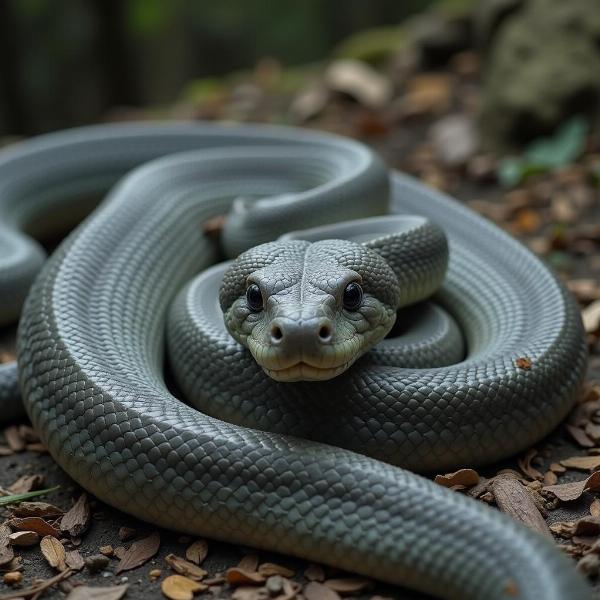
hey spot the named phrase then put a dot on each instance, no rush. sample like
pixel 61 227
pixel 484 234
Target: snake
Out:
pixel 314 450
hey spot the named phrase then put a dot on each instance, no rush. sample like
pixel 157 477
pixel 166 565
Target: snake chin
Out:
pixel 304 372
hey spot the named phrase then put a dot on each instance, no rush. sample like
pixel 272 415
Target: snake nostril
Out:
pixel 276 333
pixel 325 333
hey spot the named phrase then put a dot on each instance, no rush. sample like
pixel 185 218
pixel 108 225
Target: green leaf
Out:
pixel 16 498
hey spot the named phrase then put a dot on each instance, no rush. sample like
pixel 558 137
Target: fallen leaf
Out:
pixel 36 509
pixel 595 508
pixel 513 499
pixel 556 468
pixel 250 593
pixel 197 552
pixel 185 567
pixel 318 591
pixel 526 466
pixel 240 576
pixel 550 478
pixel 36 590
pixel 177 587
pixel 567 492
pixel 270 569
pixel 523 362
pixel 24 538
pixel 74 560
pixel 584 463
pixel 464 477
pixel 54 552
pixel 14 440
pixel 6 552
pixel 580 436
pixel 36 524
pixel 27 483
pixel 587 526
pixel 77 519
pixel 86 592
pixel 348 585
pixel 139 553
pixel 591 317
pixel 249 562
pixel 360 81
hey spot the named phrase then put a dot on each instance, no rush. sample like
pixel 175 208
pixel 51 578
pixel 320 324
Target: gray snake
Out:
pixel 91 355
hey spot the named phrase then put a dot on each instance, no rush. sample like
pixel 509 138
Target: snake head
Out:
pixel 307 311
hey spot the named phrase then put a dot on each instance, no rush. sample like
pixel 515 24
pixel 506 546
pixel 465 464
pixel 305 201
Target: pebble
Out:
pixel 96 563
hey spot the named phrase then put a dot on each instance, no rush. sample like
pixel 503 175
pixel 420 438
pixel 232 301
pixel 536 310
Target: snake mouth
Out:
pixel 303 371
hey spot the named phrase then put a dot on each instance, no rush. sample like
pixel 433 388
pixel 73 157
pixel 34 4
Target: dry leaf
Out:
pixel 240 576
pixel 314 573
pixel 36 509
pixel 24 538
pixel 348 585
pixel 523 363
pixel 139 553
pixel 27 483
pixel 590 316
pixel 564 529
pixel 185 567
pixel 550 478
pixel 6 552
pixel 249 562
pixel 584 463
pixel 85 592
pixel 527 468
pixel 580 436
pixel 318 591
pixel 572 491
pixel 270 569
pixel 250 593
pixel 14 440
pixel 197 552
pixel 587 526
pixel 177 587
pixel 36 524
pixel 595 508
pixel 77 519
pixel 556 468
pixel 464 477
pixel 74 560
pixel 513 499
pixel 54 552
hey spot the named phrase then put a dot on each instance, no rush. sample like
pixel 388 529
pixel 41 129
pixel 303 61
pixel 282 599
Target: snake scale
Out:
pixel 91 358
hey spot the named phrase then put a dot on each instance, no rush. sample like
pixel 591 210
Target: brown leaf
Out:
pixel 54 552
pixel 513 499
pixel 574 490
pixel 240 576
pixel 36 509
pixel 197 552
pixel 177 587
pixel 590 316
pixel 563 529
pixel 464 477
pixel 85 592
pixel 27 483
pixel 24 538
pixel 74 560
pixel 6 551
pixel 270 569
pixel 318 591
pixel 249 562
pixel 77 519
pixel 523 363
pixel 36 524
pixel 139 553
pixel 580 436
pixel 550 478
pixel 314 573
pixel 126 533
pixel 527 468
pixel 556 468
pixel 584 463
pixel 185 567
pixel 251 593
pixel 595 508
pixel 348 585
pixel 14 440
pixel 587 526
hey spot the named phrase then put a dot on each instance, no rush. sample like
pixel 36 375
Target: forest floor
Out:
pixel 426 126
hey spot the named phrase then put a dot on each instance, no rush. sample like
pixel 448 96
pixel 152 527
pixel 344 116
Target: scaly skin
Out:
pixel 91 351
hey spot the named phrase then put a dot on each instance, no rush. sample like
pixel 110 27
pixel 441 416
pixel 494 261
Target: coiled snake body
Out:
pixel 90 355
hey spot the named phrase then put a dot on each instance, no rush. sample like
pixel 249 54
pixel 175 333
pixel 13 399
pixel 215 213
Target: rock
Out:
pixel 96 563
pixel 589 565
pixel 543 65
pixel 455 139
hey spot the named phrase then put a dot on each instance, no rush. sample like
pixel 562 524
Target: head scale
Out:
pixel 307 311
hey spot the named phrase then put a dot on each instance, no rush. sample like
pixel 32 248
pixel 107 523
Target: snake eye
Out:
pixel 254 298
pixel 353 295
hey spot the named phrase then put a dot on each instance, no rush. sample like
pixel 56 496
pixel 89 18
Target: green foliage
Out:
pixel 16 498
pixel 546 154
